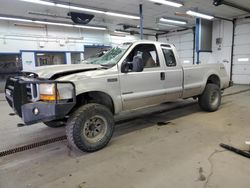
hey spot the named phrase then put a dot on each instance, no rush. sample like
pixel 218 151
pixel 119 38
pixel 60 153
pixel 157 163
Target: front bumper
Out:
pixel 22 96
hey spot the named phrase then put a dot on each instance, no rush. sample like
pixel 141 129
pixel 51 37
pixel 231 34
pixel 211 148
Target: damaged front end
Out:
pixel 36 100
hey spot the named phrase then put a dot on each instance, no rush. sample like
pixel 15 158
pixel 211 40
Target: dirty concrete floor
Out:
pixel 180 151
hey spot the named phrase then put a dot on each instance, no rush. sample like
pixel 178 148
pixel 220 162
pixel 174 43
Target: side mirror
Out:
pixel 125 67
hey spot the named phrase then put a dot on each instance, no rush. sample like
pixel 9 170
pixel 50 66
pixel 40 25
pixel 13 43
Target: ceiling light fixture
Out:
pixel 166 25
pixel 173 21
pixel 40 2
pixel 122 15
pixel 15 19
pixel 52 23
pixel 60 5
pixel 89 27
pixel 200 15
pixel 79 8
pixel 169 3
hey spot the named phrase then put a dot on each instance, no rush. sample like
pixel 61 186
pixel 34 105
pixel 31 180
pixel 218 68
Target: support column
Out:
pixel 141 21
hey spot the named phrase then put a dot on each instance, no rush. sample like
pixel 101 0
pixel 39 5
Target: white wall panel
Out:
pixel 242 39
pixel 183 42
pixel 242 49
pixel 241 79
pixel 241 69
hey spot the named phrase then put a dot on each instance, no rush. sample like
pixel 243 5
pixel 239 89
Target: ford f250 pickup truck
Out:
pixel 85 97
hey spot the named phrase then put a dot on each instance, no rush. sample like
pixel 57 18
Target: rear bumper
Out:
pixel 22 96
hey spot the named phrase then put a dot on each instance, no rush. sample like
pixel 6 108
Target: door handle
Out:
pixel 163 76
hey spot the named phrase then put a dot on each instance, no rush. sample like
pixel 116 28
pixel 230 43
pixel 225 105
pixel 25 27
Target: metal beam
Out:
pixel 232 50
pixel 141 21
pixel 230 4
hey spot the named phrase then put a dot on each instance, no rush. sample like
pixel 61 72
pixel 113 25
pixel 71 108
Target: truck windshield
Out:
pixel 109 58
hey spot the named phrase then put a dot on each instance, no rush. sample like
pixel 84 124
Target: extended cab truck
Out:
pixel 86 96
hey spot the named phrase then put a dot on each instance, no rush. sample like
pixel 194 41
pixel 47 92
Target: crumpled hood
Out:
pixel 55 71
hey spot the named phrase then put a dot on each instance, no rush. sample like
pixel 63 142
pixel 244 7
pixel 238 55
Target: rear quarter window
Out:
pixel 169 57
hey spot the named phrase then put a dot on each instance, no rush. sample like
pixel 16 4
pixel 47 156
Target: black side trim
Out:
pixel 130 92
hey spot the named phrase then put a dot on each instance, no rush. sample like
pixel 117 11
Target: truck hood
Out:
pixel 55 71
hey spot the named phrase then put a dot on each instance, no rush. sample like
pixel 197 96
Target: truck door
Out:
pixel 173 73
pixel 144 88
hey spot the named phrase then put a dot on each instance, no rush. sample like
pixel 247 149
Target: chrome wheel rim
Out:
pixel 95 128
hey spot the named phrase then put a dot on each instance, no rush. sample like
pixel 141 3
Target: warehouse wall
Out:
pixel 221 53
pixel 15 38
pixel 184 42
pixel 27 40
pixel 241 58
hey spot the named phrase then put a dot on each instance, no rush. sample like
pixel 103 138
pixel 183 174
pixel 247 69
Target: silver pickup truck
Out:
pixel 85 97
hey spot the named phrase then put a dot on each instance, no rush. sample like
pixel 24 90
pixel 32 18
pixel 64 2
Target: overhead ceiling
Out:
pixel 152 11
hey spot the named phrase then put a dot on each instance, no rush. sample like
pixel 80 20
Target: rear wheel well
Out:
pixel 213 79
pixel 95 97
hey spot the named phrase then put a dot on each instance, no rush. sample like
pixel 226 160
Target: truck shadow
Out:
pixel 153 118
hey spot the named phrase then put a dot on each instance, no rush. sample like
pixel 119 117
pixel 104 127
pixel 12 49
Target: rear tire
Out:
pixel 210 99
pixel 90 128
pixel 55 123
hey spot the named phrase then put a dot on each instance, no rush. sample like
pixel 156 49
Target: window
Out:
pixel 169 57
pixel 76 58
pixel 50 58
pixel 147 53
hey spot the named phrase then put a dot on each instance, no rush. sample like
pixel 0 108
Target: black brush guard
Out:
pixel 21 91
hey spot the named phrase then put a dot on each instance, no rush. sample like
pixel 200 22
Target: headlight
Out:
pixel 48 93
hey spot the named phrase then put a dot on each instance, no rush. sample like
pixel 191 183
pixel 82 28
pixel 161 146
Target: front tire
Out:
pixel 90 128
pixel 210 99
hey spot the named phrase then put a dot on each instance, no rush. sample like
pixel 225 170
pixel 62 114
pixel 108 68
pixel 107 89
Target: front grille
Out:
pixel 32 92
pixel 9 89
pixel 18 93
pixel 29 94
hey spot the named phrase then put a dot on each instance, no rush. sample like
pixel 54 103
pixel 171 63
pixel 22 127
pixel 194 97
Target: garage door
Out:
pixel 183 42
pixel 241 66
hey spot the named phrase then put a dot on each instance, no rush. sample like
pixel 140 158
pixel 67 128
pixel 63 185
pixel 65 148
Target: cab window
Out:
pixel 169 57
pixel 146 54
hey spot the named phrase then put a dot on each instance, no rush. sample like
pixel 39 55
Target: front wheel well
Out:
pixel 213 79
pixel 95 97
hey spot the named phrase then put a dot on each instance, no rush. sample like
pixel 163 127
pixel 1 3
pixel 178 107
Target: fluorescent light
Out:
pixel 15 19
pixel 167 25
pixel 71 25
pixel 90 27
pixel 200 15
pixel 243 59
pixel 53 23
pixel 83 9
pixel 79 8
pixel 169 3
pixel 40 2
pixel 122 15
pixel 173 21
